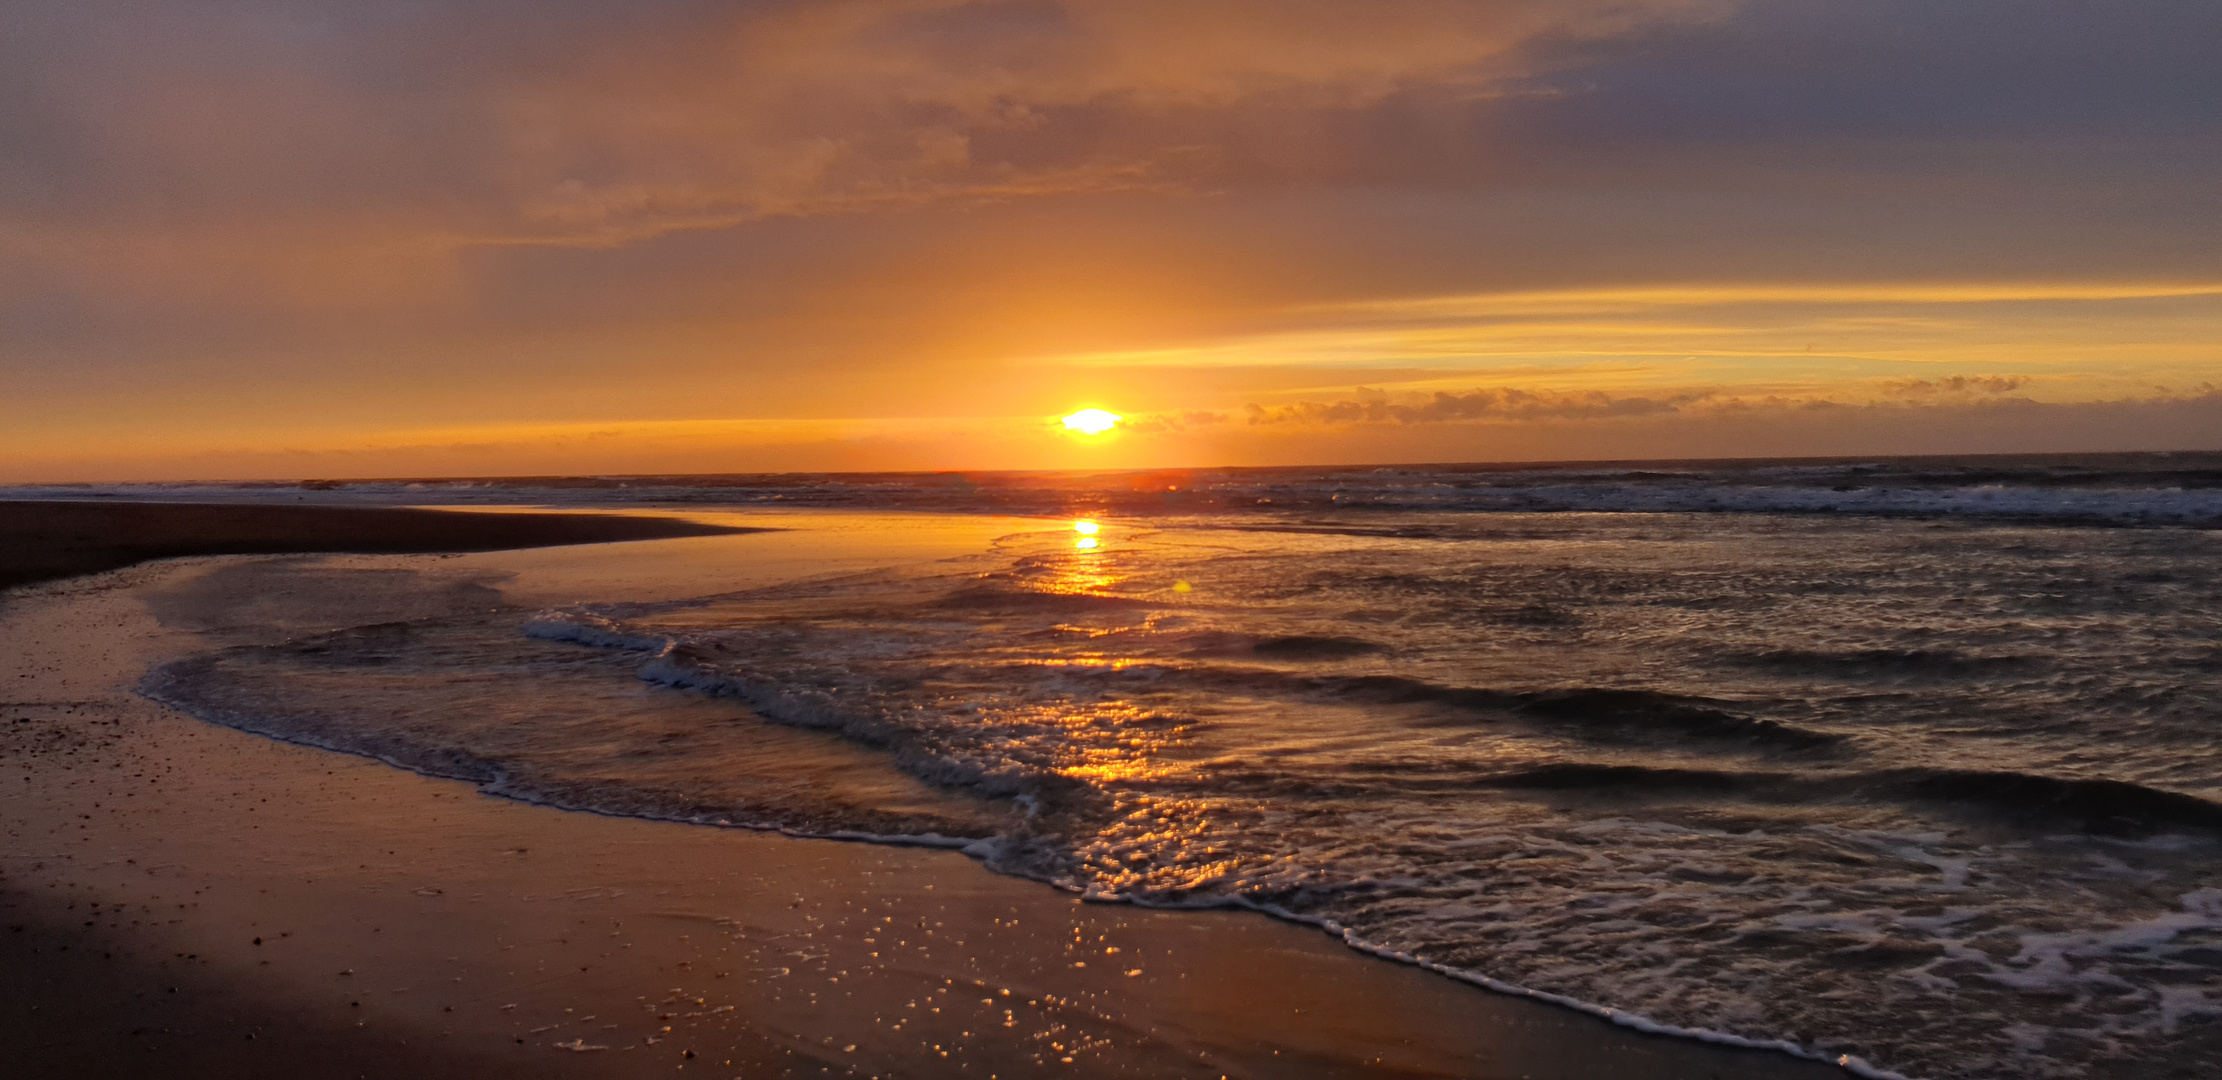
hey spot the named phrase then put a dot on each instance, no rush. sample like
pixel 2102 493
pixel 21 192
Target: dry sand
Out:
pixel 179 899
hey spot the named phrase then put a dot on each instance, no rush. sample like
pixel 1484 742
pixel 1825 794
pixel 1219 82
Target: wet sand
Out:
pixel 179 899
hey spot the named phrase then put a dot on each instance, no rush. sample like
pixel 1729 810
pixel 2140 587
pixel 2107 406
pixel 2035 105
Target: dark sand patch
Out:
pixel 43 541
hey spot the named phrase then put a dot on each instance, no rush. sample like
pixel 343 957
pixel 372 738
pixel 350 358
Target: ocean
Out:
pixel 1906 762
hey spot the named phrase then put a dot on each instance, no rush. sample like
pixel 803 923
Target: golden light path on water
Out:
pixel 1115 745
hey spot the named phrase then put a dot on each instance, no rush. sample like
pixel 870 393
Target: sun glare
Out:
pixel 1093 421
pixel 1085 527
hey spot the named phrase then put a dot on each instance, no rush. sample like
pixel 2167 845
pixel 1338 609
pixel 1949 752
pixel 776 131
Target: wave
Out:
pixel 587 628
pixel 1584 776
pixel 998 597
pixel 1293 648
pixel 1314 647
pixel 2095 806
pixel 1629 712
pixel 1651 710
pixel 1875 663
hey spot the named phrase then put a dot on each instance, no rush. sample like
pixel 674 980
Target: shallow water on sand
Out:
pixel 1937 792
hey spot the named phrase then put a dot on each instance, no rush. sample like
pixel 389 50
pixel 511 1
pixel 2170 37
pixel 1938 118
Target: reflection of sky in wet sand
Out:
pixel 803 544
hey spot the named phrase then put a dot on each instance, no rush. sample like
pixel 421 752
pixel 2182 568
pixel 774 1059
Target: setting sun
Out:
pixel 1093 421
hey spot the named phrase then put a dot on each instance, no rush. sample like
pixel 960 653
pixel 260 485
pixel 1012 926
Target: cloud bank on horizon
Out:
pixel 244 238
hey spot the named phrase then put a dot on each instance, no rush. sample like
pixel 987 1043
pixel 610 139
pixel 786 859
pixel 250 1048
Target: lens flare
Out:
pixel 1093 421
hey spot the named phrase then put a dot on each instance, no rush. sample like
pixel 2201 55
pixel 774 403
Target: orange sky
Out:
pixel 244 239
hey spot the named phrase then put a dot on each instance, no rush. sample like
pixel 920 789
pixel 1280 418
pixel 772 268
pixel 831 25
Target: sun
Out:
pixel 1093 421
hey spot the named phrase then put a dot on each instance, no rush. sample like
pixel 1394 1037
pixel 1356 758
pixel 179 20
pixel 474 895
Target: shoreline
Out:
pixel 1224 990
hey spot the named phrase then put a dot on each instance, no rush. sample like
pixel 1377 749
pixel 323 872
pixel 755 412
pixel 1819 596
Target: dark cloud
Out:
pixel 1894 70
pixel 1480 404
pixel 1955 384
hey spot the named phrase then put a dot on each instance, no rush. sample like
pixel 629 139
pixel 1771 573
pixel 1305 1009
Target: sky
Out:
pixel 318 238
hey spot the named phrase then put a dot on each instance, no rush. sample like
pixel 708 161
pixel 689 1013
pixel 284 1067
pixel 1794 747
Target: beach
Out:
pixel 185 899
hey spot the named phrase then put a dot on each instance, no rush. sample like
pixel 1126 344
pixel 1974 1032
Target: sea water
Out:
pixel 1912 763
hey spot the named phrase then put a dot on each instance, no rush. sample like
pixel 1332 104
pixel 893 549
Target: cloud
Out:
pixel 395 214
pixel 1955 384
pixel 1480 404
pixel 1956 395
pixel 601 122
pixel 598 122
pixel 1172 422
pixel 194 145
pixel 1808 71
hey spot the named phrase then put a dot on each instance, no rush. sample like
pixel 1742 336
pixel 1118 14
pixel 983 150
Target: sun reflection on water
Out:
pixel 1115 742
